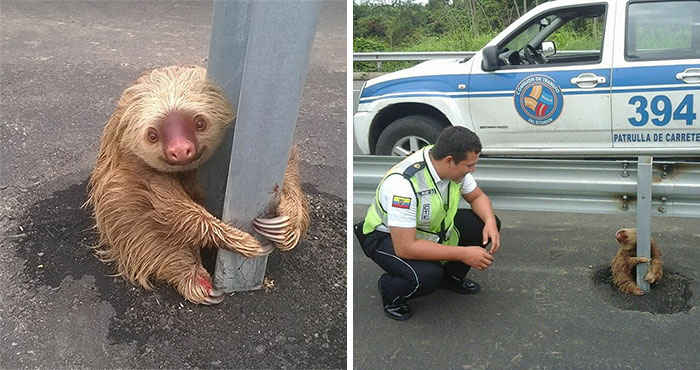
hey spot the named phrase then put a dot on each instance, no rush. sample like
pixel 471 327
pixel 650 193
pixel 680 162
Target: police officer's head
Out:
pixel 458 150
pixel 456 141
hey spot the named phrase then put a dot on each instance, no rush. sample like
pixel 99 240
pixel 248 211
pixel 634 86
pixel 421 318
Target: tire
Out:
pixel 408 134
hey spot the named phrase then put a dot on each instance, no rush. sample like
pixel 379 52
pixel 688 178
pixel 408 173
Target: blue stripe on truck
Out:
pixel 638 79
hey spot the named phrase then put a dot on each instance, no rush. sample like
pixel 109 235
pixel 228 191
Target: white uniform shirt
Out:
pixel 396 185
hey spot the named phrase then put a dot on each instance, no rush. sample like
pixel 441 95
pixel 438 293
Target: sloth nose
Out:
pixel 620 236
pixel 180 152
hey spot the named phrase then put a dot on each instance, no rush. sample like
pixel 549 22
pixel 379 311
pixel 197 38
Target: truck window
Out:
pixel 663 30
pixel 524 37
pixel 577 35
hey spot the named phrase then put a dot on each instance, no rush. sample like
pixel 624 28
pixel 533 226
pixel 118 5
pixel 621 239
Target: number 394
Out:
pixel 661 108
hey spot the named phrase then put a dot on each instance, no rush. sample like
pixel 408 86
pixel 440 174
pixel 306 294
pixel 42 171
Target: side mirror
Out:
pixel 490 58
pixel 549 48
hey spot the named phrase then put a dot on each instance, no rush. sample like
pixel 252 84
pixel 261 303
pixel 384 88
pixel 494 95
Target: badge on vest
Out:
pixel 425 213
pixel 401 202
pixel 425 192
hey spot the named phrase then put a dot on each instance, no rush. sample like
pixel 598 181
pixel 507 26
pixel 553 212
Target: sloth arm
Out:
pixel 293 202
pixel 655 251
pixel 189 223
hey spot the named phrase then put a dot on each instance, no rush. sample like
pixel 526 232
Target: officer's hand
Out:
pixel 491 232
pixel 477 257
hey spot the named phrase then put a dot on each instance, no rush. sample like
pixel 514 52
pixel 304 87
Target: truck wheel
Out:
pixel 408 134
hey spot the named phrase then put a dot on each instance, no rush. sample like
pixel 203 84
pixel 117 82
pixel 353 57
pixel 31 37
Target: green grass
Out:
pixel 426 44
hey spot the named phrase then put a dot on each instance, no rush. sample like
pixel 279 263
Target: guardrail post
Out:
pixel 644 172
pixel 259 55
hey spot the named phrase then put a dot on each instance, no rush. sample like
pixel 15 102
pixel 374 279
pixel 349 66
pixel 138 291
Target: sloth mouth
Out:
pixel 180 165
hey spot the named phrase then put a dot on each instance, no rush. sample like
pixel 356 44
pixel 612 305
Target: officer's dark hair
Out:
pixel 455 141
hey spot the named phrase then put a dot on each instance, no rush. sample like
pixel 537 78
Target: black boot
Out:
pixel 461 285
pixel 397 311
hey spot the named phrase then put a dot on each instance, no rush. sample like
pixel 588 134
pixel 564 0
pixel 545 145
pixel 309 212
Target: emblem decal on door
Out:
pixel 538 100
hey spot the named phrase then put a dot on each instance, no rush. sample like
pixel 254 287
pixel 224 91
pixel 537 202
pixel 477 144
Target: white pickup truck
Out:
pixel 630 87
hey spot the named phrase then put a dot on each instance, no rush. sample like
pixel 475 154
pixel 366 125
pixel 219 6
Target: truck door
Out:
pixel 656 80
pixel 551 88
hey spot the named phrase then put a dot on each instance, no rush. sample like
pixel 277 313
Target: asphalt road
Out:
pixel 63 66
pixel 546 303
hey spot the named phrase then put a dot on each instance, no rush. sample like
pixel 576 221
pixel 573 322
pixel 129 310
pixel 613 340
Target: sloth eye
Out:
pixel 200 124
pixel 152 135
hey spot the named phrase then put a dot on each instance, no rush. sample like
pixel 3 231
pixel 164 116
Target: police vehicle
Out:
pixel 631 87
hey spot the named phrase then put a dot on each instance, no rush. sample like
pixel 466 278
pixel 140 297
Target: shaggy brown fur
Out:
pixel 293 203
pixel 624 263
pixel 146 201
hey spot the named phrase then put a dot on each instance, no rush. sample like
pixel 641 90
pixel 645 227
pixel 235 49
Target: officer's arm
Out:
pixel 407 246
pixel 481 205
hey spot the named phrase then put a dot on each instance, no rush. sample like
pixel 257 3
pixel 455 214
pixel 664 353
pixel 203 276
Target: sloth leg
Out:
pixel 183 270
pixel 293 210
pixel 655 271
pixel 623 275
pixel 630 287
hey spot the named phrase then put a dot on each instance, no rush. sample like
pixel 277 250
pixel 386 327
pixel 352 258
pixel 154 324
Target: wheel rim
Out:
pixel 407 145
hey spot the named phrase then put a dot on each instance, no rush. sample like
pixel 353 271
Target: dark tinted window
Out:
pixel 663 30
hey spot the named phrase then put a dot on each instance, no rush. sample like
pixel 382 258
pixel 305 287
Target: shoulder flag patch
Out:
pixel 401 202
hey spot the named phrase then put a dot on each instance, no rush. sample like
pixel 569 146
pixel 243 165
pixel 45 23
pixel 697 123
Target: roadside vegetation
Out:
pixel 441 25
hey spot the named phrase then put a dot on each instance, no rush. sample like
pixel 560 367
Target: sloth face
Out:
pixel 174 118
pixel 627 238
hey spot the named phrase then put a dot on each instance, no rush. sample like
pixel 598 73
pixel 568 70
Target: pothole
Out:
pixel 670 295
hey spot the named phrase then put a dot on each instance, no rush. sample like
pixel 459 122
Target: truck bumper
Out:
pixel 361 125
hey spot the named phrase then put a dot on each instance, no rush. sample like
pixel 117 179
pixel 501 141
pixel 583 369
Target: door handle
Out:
pixel 689 76
pixel 587 80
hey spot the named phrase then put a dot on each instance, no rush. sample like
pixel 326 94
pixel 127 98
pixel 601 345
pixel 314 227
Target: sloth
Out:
pixel 624 263
pixel 145 197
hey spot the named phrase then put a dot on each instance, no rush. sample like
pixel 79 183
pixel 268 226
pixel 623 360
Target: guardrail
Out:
pixel 410 56
pixel 583 186
pixel 419 56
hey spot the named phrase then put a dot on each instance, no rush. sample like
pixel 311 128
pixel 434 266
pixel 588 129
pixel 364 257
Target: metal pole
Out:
pixel 644 171
pixel 259 56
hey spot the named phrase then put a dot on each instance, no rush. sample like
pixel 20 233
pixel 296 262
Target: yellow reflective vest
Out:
pixel 434 214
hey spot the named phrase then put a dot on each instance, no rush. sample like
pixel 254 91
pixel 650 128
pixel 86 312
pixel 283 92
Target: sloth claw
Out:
pixel 214 296
pixel 266 249
pixel 211 300
pixel 278 230
pixel 275 229
pixel 276 237
pixel 273 223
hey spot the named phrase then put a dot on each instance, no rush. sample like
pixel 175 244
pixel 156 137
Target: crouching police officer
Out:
pixel 414 231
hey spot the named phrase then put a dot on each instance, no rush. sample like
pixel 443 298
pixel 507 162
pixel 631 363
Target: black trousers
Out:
pixel 408 279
